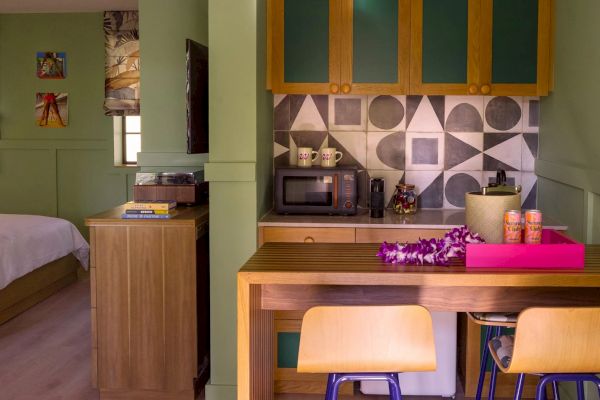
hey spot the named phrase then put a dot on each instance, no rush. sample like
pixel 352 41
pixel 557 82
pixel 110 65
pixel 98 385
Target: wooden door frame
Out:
pixel 403 62
pixel 277 53
pixel 542 87
pixel 416 56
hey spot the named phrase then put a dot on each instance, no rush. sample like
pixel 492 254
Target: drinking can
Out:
pixel 512 226
pixel 533 227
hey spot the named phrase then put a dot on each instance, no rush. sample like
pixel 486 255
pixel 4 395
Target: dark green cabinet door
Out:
pixel 514 41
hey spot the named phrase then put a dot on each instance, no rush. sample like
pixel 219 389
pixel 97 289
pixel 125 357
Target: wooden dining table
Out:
pixel 298 276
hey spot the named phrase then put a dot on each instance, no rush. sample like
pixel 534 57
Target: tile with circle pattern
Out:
pixel 386 113
pixel 503 114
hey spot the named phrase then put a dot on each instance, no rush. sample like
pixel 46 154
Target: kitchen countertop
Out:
pixel 423 219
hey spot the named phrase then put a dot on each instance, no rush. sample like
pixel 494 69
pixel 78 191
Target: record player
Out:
pixel 183 187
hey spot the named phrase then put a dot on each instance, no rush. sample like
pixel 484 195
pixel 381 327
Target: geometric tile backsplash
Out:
pixel 445 145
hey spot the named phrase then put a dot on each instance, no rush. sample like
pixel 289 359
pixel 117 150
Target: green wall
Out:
pixel 239 167
pixel 65 172
pixel 568 165
pixel 164 27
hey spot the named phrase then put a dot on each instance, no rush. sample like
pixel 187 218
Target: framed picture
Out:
pixel 51 65
pixel 52 110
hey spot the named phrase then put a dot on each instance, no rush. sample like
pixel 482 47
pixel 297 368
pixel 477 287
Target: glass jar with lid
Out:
pixel 405 199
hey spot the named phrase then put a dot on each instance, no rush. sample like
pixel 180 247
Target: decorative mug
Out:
pixel 306 156
pixel 329 157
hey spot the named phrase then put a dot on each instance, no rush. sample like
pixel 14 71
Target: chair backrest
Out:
pixel 554 340
pixel 367 339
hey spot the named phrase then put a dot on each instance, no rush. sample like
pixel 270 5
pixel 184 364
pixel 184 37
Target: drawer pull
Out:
pixel 309 239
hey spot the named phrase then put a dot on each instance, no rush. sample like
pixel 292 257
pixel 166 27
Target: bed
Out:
pixel 38 256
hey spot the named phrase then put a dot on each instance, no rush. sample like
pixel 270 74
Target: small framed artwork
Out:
pixel 51 65
pixel 52 110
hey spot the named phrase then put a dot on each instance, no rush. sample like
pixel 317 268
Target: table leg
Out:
pixel 255 344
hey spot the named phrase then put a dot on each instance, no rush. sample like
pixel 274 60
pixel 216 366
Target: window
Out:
pixel 132 138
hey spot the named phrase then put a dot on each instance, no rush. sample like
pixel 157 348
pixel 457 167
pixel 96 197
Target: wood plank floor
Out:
pixel 45 353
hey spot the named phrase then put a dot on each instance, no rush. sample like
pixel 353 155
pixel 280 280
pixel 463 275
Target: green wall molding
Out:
pixel 230 172
pixel 54 144
pixel 581 178
pixel 175 159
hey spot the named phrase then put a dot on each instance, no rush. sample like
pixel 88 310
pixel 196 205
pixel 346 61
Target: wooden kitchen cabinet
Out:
pixel 150 305
pixel 481 47
pixel 306 235
pixel 352 46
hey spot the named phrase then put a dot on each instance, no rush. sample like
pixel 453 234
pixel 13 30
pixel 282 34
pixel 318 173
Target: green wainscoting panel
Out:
pixel 445 39
pixel 86 185
pixel 28 182
pixel 514 41
pixel 306 41
pixel 375 41
pixel 288 344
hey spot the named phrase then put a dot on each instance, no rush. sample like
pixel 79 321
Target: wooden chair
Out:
pixel 493 323
pixel 357 343
pixel 560 344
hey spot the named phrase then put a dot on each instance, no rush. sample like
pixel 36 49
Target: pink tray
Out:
pixel 556 251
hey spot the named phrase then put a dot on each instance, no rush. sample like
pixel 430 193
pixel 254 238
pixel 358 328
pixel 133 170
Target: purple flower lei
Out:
pixel 432 251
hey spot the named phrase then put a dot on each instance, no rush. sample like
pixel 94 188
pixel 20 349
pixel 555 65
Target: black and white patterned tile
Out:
pixel 386 113
pixel 457 183
pixel 424 151
pixel 503 114
pixel 531 114
pixel 281 149
pixel 386 150
pixel 464 114
pixel 429 186
pixel 347 113
pixel 463 151
pixel 529 191
pixel 425 113
pixel 353 146
pixel 391 179
pixel 502 150
pixel 316 140
pixel 308 113
pixel 529 148
pixel 281 112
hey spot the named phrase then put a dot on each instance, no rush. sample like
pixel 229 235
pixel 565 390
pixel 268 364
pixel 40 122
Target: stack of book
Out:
pixel 156 209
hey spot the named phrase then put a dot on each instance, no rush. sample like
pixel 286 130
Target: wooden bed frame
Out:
pixel 36 286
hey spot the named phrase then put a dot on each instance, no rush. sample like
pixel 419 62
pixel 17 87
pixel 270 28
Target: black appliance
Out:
pixel 316 190
pixel 377 198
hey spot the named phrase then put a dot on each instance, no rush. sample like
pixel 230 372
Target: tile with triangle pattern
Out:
pixel 308 116
pixel 281 113
pixel 463 151
pixel 512 178
pixel 428 116
pixel 502 151
pixel 353 146
pixel 391 179
pixel 429 186
pixel 530 151
pixel 314 140
pixel 529 191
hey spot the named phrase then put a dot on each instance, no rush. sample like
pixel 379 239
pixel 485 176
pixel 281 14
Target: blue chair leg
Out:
pixel 484 360
pixel 335 386
pixel 394 385
pixel 497 330
pixel 555 390
pixel 580 391
pixel 519 387
pixel 330 380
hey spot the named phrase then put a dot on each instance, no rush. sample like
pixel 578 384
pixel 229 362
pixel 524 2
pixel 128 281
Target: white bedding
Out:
pixel 29 241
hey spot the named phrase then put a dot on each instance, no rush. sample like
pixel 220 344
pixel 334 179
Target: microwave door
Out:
pixel 315 191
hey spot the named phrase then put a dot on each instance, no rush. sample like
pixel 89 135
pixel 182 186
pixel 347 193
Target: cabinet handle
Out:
pixel 334 88
pixel 346 88
pixel 309 239
pixel 473 89
pixel 485 89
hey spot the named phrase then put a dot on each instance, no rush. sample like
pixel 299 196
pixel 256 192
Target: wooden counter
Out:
pixel 297 276
pixel 150 302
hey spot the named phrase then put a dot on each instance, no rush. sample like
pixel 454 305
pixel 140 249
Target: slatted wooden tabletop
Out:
pixel 353 263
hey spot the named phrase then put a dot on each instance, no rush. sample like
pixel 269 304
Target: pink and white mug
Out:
pixel 329 157
pixel 306 156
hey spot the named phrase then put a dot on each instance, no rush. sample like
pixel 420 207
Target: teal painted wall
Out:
pixel 239 167
pixel 65 172
pixel 568 165
pixel 164 27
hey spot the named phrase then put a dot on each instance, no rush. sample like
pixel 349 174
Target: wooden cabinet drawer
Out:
pixel 378 235
pixel 308 235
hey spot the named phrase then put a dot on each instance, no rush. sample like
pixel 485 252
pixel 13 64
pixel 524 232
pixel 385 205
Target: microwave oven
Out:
pixel 316 190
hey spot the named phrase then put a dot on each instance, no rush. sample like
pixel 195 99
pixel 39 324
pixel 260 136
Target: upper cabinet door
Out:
pixel 306 55
pixel 375 48
pixel 445 47
pixel 515 47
